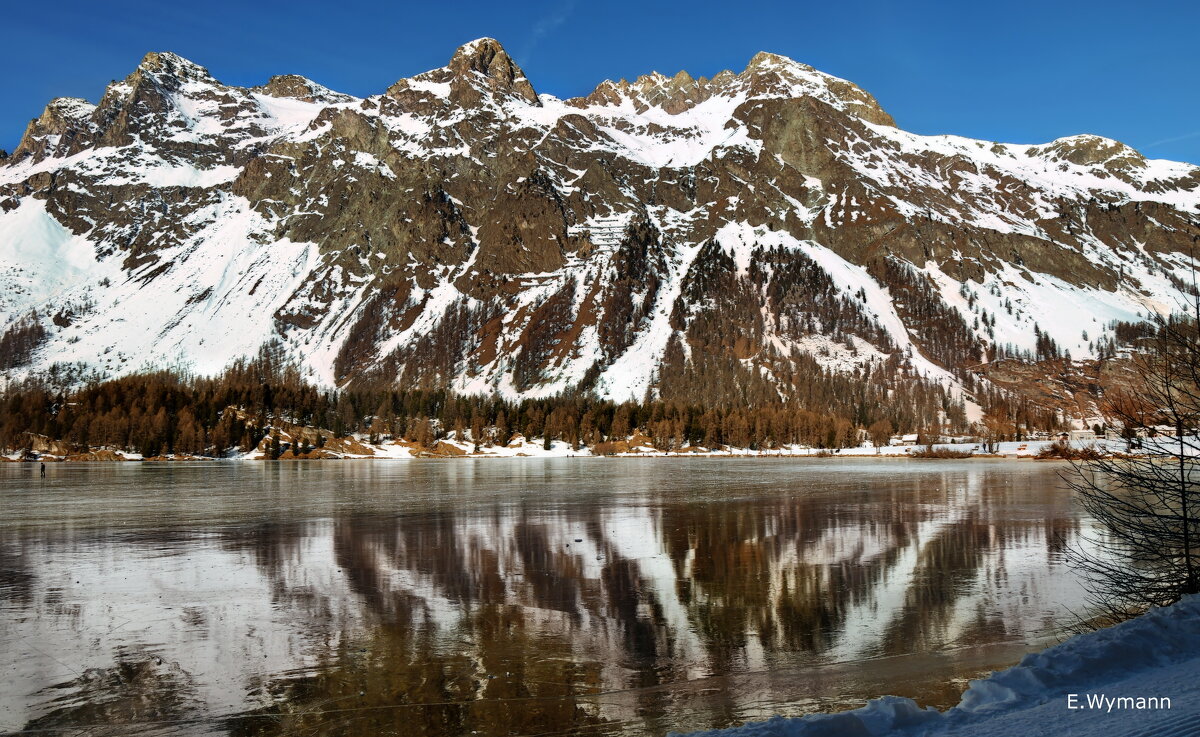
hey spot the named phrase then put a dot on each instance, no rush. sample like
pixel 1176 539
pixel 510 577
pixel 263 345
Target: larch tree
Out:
pixel 1146 549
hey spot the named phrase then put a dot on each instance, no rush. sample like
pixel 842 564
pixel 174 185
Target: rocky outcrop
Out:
pixel 295 87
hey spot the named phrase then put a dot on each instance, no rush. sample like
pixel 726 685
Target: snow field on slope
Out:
pixel 630 374
pixel 40 260
pixel 197 314
pixel 1023 162
pixel 1063 311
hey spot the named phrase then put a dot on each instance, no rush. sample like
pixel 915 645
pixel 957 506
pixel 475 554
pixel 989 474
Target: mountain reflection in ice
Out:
pixel 523 597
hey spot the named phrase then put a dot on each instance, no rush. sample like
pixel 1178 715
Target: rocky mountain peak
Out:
pixel 63 114
pixel 774 75
pixel 296 87
pixel 486 58
pixel 1090 150
pixel 62 119
pixel 148 92
pixel 674 94
pixel 1102 157
pixel 651 80
pixel 767 60
pixel 75 109
pixel 766 76
pixel 172 68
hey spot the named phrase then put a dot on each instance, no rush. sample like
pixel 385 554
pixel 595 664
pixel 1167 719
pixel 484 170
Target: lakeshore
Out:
pixel 360 449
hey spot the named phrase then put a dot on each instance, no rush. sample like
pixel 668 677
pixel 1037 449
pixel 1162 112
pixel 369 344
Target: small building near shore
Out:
pixel 1081 438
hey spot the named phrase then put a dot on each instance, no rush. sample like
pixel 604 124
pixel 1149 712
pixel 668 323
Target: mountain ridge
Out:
pixel 460 229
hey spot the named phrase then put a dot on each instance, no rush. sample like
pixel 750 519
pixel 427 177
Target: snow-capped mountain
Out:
pixel 460 229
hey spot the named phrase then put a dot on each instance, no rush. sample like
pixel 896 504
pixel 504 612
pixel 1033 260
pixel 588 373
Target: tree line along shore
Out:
pixel 263 402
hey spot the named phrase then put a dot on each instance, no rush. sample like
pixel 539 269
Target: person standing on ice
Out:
pixel 43 470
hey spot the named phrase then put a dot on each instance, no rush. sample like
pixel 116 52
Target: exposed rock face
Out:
pixel 486 58
pixel 299 88
pixel 459 229
pixel 55 131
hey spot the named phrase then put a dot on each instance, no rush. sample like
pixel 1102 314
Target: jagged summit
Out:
pixel 75 108
pixel 775 75
pixel 766 76
pixel 167 65
pixel 479 55
pixel 479 71
pixel 487 58
pixel 63 119
pixel 766 59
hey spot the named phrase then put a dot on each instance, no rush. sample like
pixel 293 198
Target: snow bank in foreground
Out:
pixel 1127 660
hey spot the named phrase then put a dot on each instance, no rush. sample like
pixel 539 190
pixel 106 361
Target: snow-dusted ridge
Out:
pixel 180 221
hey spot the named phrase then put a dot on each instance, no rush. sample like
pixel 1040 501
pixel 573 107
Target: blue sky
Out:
pixel 1022 72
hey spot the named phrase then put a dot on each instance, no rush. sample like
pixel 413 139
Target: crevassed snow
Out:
pixel 1154 655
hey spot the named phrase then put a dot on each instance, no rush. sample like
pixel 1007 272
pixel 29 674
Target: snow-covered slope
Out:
pixel 460 229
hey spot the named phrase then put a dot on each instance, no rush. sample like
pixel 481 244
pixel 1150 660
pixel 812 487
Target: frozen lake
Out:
pixel 515 597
